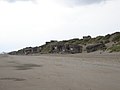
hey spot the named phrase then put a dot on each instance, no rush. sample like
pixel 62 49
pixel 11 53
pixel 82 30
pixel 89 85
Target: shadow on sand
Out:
pixel 26 66
pixel 13 79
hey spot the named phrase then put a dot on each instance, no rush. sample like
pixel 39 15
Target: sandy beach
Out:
pixel 91 71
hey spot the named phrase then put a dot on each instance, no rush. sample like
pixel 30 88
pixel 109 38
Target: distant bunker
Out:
pixel 68 48
pixel 95 47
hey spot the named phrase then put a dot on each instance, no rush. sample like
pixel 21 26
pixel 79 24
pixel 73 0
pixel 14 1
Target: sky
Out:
pixel 25 23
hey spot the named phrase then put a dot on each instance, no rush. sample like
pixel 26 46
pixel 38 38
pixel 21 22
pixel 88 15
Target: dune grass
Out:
pixel 115 48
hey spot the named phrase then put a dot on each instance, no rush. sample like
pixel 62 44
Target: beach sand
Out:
pixel 92 71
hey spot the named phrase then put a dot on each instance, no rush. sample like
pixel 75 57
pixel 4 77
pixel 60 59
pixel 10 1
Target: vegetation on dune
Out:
pixel 88 40
pixel 116 38
pixel 109 42
pixel 115 48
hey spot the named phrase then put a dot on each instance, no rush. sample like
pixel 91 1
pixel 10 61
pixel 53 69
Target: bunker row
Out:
pixel 59 48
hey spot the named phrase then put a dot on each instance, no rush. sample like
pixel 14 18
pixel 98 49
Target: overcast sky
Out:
pixel 33 22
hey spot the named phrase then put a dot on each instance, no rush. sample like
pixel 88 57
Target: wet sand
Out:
pixel 60 72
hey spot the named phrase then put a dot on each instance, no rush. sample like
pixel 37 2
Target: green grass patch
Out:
pixel 115 48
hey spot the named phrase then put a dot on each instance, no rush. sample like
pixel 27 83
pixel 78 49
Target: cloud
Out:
pixel 66 2
pixel 82 2
pixel 13 1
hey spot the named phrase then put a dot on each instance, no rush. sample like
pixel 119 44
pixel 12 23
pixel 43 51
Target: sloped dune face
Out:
pixel 91 71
